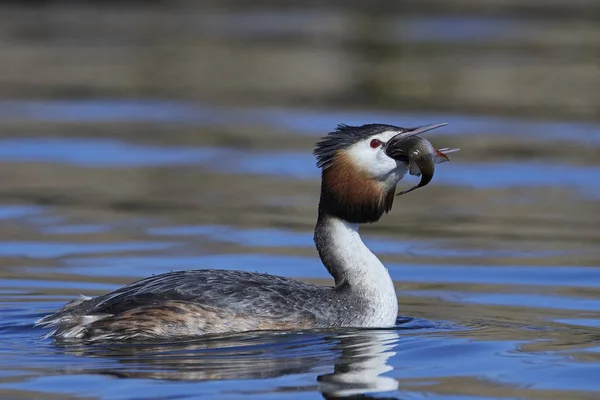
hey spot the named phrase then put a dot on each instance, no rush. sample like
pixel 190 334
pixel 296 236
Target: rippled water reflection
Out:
pixel 495 265
pixel 496 262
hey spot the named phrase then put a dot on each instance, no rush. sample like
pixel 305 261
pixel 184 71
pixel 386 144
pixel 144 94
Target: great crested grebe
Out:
pixel 360 169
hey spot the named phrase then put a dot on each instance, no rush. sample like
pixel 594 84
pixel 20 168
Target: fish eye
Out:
pixel 375 143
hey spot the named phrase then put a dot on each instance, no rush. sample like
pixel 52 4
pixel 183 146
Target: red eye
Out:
pixel 375 143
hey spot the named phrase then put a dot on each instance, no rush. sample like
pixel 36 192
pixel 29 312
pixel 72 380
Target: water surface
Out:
pixel 490 310
pixel 116 167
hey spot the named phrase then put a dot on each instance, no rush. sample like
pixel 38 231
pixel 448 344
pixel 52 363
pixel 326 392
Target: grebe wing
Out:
pixel 191 303
pixel 237 292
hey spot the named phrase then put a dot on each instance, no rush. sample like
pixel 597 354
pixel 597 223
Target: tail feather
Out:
pixel 67 323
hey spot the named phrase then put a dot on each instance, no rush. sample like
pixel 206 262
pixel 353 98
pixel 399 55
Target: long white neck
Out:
pixel 356 271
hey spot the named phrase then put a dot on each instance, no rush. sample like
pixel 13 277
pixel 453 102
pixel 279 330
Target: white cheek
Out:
pixel 377 164
pixel 382 165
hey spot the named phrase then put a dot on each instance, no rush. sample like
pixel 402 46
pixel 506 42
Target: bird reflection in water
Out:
pixel 358 358
pixel 361 365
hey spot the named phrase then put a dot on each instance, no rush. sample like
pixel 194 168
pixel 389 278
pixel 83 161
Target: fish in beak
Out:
pixel 418 153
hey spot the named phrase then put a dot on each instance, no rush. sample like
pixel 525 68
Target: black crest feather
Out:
pixel 343 137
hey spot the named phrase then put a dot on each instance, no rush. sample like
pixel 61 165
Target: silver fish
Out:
pixel 421 157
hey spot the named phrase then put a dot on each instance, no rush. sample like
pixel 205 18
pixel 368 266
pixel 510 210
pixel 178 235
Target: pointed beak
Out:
pixel 395 147
pixel 424 128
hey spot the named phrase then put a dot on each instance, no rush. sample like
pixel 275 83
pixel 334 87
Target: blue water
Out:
pixel 144 137
pixel 307 121
pixel 495 263
pixel 115 154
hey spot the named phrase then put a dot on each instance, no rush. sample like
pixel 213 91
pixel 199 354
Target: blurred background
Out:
pixel 138 137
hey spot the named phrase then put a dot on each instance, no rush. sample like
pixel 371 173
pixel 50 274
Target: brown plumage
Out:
pixel 350 194
pixel 183 319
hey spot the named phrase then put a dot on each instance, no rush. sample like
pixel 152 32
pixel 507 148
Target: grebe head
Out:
pixel 361 166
